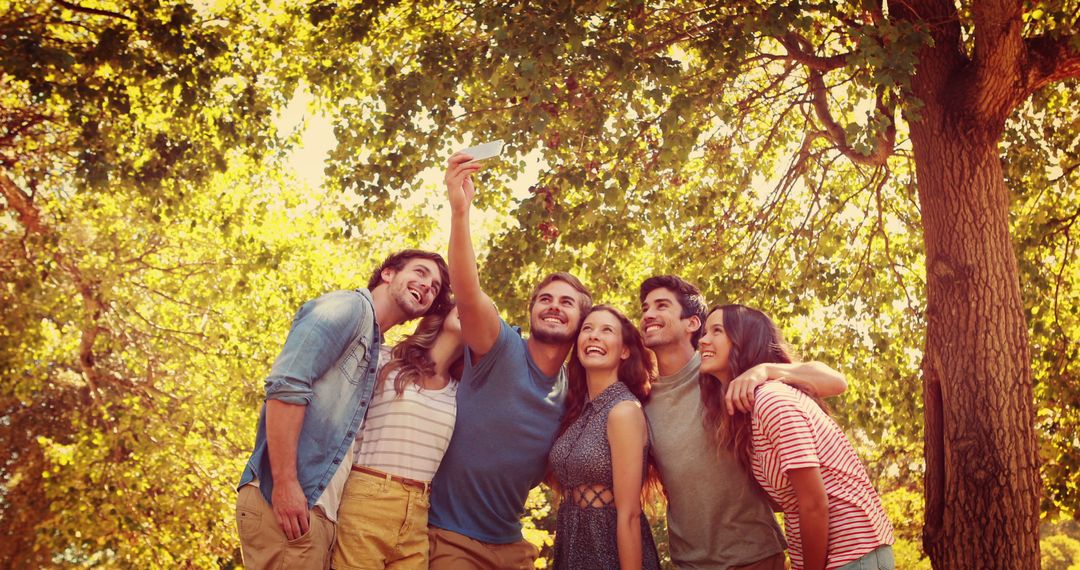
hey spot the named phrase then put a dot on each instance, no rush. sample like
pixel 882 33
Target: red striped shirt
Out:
pixel 792 432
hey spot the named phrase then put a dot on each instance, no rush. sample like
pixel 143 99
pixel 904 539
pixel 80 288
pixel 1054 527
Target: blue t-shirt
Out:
pixel 507 415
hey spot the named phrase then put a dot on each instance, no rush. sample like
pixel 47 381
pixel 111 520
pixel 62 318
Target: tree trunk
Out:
pixel 982 474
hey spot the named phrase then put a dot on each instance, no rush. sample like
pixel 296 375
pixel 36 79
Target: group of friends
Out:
pixel 424 455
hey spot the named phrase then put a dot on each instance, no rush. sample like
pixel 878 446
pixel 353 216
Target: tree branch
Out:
pixel 998 41
pixel 883 146
pixel 799 50
pixel 92 11
pixel 940 59
pixel 999 53
pixel 28 214
pixel 30 217
pixel 1049 60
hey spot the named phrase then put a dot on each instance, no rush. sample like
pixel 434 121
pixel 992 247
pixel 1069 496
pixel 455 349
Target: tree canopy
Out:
pixel 155 245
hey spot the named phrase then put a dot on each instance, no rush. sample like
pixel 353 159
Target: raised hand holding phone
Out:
pixel 459 186
pixel 484 151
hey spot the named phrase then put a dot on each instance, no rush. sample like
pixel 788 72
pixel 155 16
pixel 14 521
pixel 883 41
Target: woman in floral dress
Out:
pixel 599 459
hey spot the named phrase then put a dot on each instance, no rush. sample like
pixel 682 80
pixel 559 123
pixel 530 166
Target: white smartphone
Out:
pixel 483 151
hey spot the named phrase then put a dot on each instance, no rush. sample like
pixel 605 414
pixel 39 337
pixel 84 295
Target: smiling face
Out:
pixel 556 313
pixel 415 286
pixel 715 346
pixel 662 323
pixel 600 344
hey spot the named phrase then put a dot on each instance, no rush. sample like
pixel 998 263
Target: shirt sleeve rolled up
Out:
pixel 320 333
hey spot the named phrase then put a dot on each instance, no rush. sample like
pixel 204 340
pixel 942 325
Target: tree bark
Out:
pixel 982 479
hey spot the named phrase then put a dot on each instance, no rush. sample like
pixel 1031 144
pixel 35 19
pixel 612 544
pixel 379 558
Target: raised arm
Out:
pixel 813 378
pixel 627 436
pixel 480 322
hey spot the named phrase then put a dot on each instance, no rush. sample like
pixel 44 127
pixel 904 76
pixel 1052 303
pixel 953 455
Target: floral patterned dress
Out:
pixel 586 522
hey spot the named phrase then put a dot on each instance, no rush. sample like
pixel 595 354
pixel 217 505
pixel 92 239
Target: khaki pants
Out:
pixel 264 544
pixel 453 551
pixel 382 524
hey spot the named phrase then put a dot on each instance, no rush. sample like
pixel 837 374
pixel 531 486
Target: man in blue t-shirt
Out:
pixel 509 401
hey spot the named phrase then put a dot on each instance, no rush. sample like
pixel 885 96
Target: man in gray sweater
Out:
pixel 718 518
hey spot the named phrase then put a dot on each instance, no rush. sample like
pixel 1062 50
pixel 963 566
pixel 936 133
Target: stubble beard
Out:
pixel 408 304
pixel 657 341
pixel 549 337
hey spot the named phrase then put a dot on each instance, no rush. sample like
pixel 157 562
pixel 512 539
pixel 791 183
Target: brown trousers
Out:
pixel 453 551
pixel 264 544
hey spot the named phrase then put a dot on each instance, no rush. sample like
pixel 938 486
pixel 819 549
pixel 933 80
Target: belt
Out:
pixel 411 483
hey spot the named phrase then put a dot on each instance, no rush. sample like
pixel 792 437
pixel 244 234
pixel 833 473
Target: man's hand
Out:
pixel 290 507
pixel 740 392
pixel 459 186
pixel 816 379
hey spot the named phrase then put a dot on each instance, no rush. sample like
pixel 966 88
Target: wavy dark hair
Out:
pixel 638 370
pixel 689 296
pixel 443 302
pixel 412 356
pixel 755 339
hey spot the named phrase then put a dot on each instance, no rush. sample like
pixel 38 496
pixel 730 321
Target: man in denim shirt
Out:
pixel 316 396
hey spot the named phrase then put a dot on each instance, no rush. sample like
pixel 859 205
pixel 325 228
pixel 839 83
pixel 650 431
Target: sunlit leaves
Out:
pixel 677 137
pixel 1043 142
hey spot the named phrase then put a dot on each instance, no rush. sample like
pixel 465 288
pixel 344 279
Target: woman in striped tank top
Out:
pixel 796 452
pixel 383 517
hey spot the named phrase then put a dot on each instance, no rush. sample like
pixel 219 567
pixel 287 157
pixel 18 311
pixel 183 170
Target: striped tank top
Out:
pixel 407 435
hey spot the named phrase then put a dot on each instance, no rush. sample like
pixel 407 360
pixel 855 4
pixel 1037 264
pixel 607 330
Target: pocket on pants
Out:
pixel 248 522
pixel 248 516
pixel 306 537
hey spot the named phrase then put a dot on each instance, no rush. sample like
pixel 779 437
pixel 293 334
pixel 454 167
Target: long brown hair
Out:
pixel 755 339
pixel 637 371
pixel 412 356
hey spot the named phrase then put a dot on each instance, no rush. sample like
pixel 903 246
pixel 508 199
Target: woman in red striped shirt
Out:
pixel 796 452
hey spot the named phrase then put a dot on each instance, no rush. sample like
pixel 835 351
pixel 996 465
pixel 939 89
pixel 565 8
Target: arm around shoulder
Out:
pixel 813 377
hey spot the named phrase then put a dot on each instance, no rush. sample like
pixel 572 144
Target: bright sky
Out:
pixel 307 161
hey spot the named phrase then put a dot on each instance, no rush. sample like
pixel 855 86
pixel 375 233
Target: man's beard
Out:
pixel 658 341
pixel 549 337
pixel 655 343
pixel 408 304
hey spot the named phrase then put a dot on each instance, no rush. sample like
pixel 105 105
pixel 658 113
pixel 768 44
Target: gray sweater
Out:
pixel 717 516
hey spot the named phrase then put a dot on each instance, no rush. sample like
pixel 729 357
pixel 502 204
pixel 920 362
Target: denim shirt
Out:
pixel 327 364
